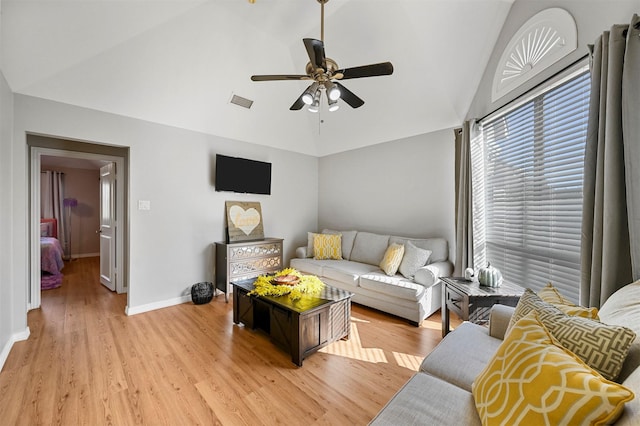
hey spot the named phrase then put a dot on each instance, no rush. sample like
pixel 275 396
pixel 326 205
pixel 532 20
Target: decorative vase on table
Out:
pixel 490 276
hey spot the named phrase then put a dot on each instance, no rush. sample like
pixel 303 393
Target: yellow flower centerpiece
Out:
pixel 288 281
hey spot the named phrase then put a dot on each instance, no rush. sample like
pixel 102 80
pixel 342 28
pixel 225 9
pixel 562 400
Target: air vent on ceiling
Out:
pixel 243 102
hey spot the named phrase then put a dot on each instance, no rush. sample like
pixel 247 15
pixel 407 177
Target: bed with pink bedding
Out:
pixel 51 262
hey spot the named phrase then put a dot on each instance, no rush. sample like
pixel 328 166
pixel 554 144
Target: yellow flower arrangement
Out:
pixel 307 284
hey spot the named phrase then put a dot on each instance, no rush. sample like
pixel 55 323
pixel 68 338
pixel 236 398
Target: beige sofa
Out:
pixel 359 272
pixel 441 392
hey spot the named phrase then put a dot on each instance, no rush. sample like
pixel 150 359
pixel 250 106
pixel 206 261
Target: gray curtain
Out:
pixel 463 210
pixel 612 157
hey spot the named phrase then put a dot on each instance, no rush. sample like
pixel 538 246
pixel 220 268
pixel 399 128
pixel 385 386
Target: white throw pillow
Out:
pixel 310 236
pixel 414 258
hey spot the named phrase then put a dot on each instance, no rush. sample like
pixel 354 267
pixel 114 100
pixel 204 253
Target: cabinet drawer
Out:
pixel 250 268
pixel 273 249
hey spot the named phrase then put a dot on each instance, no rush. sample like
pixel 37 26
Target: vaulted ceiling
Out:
pixel 179 62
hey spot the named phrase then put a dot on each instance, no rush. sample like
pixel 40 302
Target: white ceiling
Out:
pixel 178 62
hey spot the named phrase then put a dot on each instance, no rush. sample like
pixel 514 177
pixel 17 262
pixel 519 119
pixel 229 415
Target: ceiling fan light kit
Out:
pixel 310 93
pixel 333 104
pixel 325 75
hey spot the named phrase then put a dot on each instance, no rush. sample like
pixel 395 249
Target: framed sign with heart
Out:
pixel 244 221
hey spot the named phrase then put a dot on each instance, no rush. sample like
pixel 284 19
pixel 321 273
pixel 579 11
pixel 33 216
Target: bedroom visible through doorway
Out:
pixel 84 203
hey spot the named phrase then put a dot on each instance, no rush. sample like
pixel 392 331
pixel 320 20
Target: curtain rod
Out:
pixel 537 86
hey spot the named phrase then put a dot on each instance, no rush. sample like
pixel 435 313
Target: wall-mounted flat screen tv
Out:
pixel 242 175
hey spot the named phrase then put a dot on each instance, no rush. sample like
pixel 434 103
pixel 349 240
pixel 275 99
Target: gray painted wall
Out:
pixel 592 18
pixel 170 246
pixel 12 321
pixel 403 187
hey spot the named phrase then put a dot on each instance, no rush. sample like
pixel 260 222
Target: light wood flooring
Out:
pixel 86 362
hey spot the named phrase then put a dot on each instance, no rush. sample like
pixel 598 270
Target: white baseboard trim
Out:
pixel 16 337
pixel 133 310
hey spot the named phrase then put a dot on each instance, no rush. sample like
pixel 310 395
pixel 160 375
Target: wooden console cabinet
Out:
pixel 246 259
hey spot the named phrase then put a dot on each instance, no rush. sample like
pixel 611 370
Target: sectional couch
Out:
pixel 413 296
pixel 440 393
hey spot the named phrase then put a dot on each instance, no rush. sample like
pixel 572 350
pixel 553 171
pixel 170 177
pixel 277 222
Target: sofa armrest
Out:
pixel 499 318
pixel 430 274
pixel 301 252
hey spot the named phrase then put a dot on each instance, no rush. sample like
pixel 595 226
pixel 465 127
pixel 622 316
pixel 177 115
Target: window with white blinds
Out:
pixel 527 170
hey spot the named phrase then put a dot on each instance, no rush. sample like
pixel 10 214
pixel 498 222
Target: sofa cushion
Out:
pixel 414 259
pixel 369 248
pixel 392 258
pixel 438 246
pixel 310 238
pixel 327 246
pixel 346 271
pixel 550 294
pixel 396 286
pixel 310 266
pixel 427 400
pixel 348 237
pixel 508 390
pixel 462 355
pixel 603 347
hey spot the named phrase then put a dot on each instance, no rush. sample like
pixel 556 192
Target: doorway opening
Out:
pixel 110 200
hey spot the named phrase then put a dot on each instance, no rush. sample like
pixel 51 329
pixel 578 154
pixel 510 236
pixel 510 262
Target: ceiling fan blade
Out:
pixel 373 70
pixel 315 50
pixel 298 104
pixel 279 77
pixel 349 97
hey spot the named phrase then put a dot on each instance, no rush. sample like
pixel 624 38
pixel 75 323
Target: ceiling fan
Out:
pixel 325 75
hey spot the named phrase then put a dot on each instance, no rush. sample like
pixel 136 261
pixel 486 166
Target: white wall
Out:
pixel 13 322
pixel 592 18
pixel 170 246
pixel 403 187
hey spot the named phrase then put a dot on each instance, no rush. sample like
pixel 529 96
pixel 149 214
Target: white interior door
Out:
pixel 108 224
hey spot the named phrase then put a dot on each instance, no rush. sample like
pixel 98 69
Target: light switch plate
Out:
pixel 144 205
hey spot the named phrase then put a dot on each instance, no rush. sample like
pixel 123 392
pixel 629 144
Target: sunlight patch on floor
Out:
pixel 431 325
pixel 410 362
pixel 353 349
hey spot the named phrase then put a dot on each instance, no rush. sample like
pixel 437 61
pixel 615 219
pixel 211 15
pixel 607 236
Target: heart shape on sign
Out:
pixel 246 220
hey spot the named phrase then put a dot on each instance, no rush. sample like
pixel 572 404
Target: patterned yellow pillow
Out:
pixel 550 294
pixel 531 380
pixel 392 258
pixel 327 246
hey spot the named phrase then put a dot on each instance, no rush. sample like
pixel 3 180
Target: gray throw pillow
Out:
pixel 414 258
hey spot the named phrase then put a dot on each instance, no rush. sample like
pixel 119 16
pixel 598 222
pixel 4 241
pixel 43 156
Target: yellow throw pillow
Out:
pixel 392 258
pixel 531 380
pixel 550 294
pixel 327 246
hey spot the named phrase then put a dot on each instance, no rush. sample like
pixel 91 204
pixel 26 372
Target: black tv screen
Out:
pixel 242 175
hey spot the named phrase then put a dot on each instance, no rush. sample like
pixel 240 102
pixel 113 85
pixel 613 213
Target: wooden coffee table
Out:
pixel 473 302
pixel 301 326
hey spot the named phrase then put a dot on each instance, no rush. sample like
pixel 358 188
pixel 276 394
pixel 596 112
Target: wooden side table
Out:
pixel 473 302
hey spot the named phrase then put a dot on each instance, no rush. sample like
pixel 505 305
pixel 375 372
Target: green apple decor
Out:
pixel 490 276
